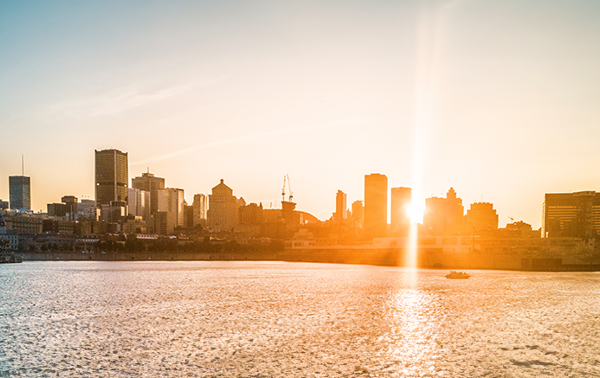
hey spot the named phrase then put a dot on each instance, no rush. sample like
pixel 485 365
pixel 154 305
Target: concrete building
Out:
pixel 481 217
pixel 571 215
pixel 138 202
pixel 341 210
pixel 71 203
pixel 401 198
pixel 222 208
pixel 171 202
pixel 87 209
pixel 444 216
pixel 376 195
pixel 150 183
pixel 57 209
pixel 199 209
pixel 19 192
pixel 111 176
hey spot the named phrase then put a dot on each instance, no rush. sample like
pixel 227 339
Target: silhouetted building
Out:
pixel 572 214
pixel 138 202
pixel 222 208
pixel 199 208
pixel 71 203
pixel 481 217
pixel 111 176
pixel 358 213
pixel 251 214
pixel 19 192
pixel 340 206
pixel 375 218
pixel 152 184
pixel 188 215
pixel 401 198
pixel 57 209
pixel 444 216
pixel 171 202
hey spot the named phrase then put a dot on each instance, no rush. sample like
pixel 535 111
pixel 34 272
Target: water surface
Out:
pixel 271 319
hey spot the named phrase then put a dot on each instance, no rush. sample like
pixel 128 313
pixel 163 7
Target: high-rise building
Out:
pixel 171 202
pixel 444 216
pixel 375 223
pixel 222 208
pixel 111 176
pixel 481 217
pixel 19 192
pixel 150 183
pixel 138 202
pixel 199 209
pixel 340 206
pixel 572 215
pixel 401 198
pixel 71 203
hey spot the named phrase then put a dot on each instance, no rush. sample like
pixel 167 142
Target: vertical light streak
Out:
pixel 429 43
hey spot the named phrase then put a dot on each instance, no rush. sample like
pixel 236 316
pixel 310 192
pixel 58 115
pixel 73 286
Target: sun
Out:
pixel 415 211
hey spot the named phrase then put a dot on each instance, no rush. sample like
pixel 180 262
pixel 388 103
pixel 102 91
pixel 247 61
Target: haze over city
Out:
pixel 495 99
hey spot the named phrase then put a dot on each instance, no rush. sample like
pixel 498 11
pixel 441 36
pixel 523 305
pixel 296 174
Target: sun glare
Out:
pixel 415 211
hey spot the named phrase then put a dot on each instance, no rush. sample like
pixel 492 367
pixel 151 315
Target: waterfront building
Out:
pixel 571 215
pixel 341 211
pixel 251 214
pixel 444 216
pixel 170 202
pixel 481 217
pixel 111 176
pixel 20 192
pixel 10 236
pixel 375 210
pixel 150 183
pixel 401 198
pixel 138 202
pixel 199 209
pixel 222 211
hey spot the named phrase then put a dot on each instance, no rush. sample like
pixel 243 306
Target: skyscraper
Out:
pixel 400 218
pixel 375 223
pixel 199 209
pixel 152 184
pixel 340 206
pixel 481 217
pixel 572 215
pixel 444 216
pixel 170 203
pixel 222 208
pixel 111 176
pixel 20 192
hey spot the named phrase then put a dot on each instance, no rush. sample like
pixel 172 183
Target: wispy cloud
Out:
pixel 127 99
pixel 318 126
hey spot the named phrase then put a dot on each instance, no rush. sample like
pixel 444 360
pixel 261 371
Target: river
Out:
pixel 276 319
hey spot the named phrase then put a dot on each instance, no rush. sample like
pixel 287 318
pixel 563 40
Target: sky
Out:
pixel 498 99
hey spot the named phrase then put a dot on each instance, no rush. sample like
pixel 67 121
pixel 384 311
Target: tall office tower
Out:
pixel 401 198
pixel 152 184
pixel 444 216
pixel 138 202
pixel 572 215
pixel 481 217
pixel 222 211
pixel 171 204
pixel 358 213
pixel 341 211
pixel 199 209
pixel 19 192
pixel 111 176
pixel 375 224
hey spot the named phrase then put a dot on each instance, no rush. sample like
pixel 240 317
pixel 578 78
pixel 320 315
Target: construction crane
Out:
pixel 286 178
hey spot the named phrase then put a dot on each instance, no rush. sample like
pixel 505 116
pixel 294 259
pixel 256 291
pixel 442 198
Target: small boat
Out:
pixel 457 275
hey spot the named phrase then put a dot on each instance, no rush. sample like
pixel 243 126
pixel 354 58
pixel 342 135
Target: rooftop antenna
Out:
pixel 148 170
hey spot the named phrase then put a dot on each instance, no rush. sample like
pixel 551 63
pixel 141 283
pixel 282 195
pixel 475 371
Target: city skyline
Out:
pixel 494 99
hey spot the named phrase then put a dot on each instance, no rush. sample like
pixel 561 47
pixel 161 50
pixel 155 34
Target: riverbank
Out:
pixel 381 257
